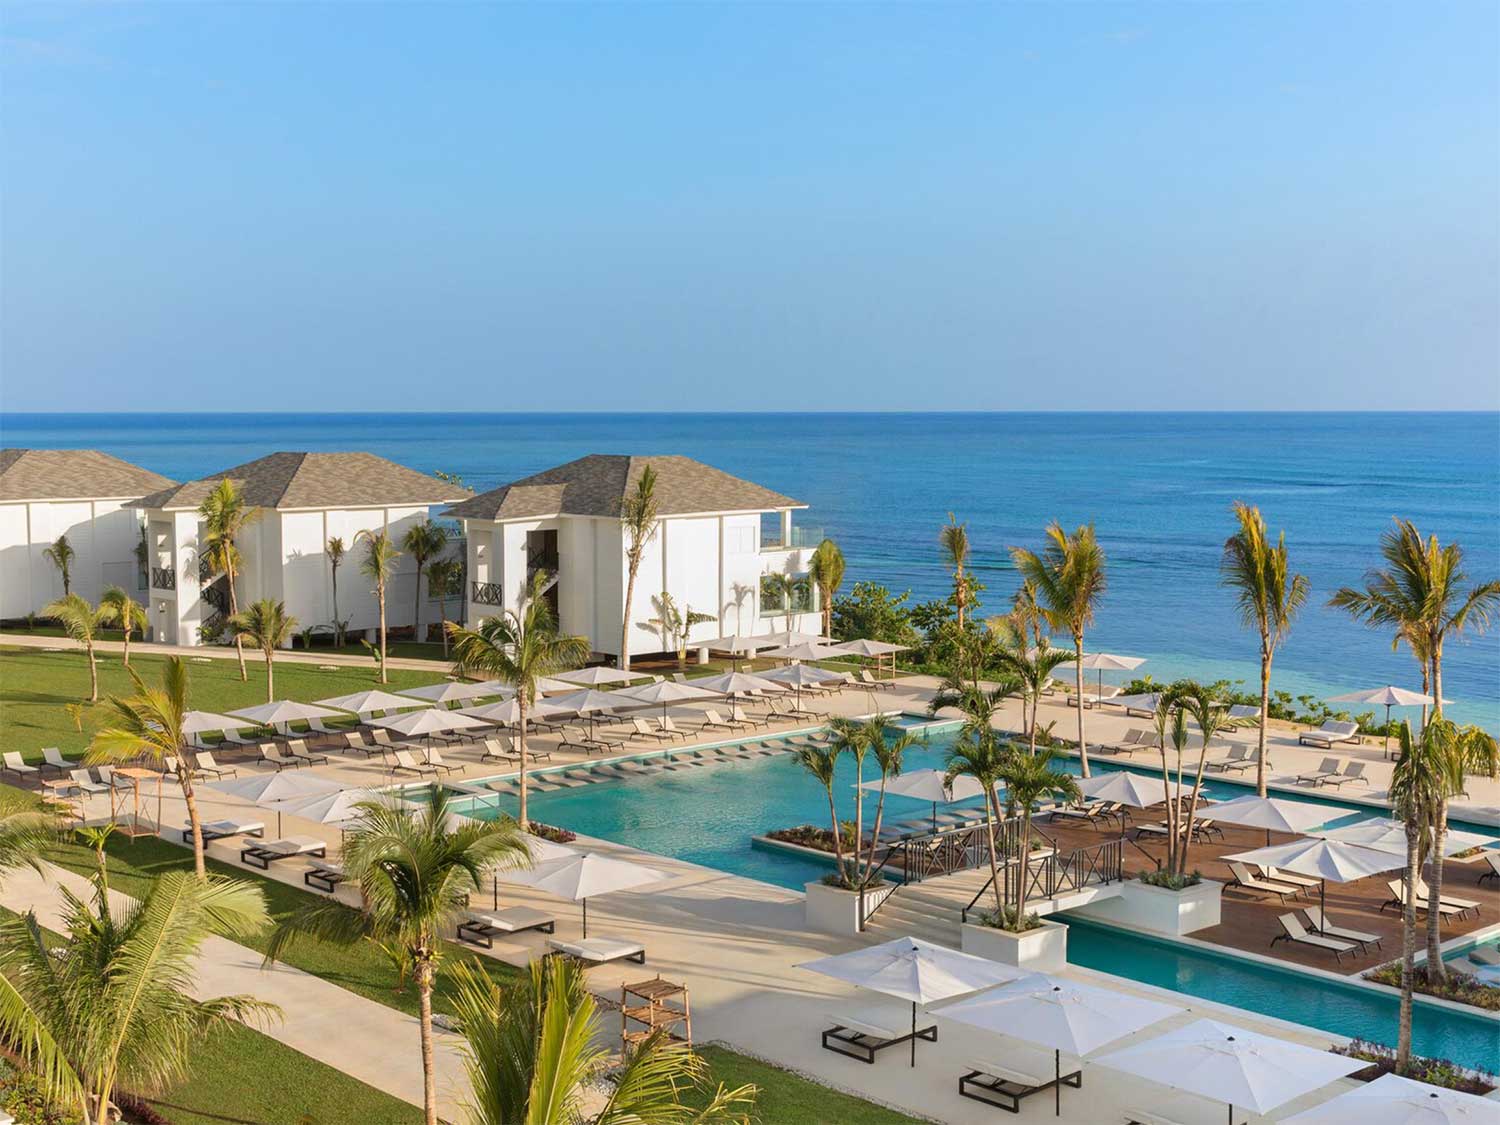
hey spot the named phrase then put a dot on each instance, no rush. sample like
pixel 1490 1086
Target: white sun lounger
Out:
pixel 860 1030
pixel 1293 931
pixel 324 875
pixel 263 855
pixel 206 764
pixel 481 926
pixel 1003 1085
pixel 15 764
pixel 52 759
pixel 598 950
pixel 220 829
pixel 1329 733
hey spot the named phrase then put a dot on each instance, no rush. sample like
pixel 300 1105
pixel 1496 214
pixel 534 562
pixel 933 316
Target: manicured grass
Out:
pixel 789 1099
pixel 35 685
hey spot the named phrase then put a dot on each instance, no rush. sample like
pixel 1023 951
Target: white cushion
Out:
pixel 511 918
pixel 879 1020
pixel 602 948
pixel 295 845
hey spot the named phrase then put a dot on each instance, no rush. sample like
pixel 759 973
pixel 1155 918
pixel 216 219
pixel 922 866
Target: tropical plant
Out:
pixel 422 542
pixel 379 565
pixel 82 622
pixel 1029 778
pixel 1449 750
pixel 821 759
pixel 26 831
pixel 520 647
pixel 111 1009
pixel 531 1052
pixel 1032 664
pixel 979 753
pixel 871 611
pixel 267 625
pixel 1068 576
pixel 890 752
pixel 1419 594
pixel 954 539
pixel 225 514
pixel 149 725
pixel 1212 716
pixel 61 555
pixel 119 608
pixel 780 590
pixel 443 578
pixel 414 869
pixel 335 550
pixel 675 624
pixel 638 512
pixel 1268 596
pixel 826 569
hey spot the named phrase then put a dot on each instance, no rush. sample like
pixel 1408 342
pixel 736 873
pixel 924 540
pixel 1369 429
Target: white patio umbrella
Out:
pixel 599 676
pixel 735 684
pixel 929 785
pixel 497 687
pixel 579 876
pixel 1147 701
pixel 368 702
pixel 786 638
pixel 807 650
pixel 872 650
pixel 1125 786
pixel 428 722
pixel 331 808
pixel 449 691
pixel 1102 662
pixel 588 703
pixel 508 712
pixel 1390 835
pixel 1274 814
pixel 541 851
pixel 552 683
pixel 1393 1100
pixel 1324 860
pixel 1057 1013
pixel 1387 697
pixel 270 789
pixel 911 969
pixel 196 722
pixel 283 711
pixel 667 692
pixel 1232 1065
pixel 799 676
pixel 737 645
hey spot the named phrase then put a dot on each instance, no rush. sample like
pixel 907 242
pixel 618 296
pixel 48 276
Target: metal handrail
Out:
pixel 163 578
pixel 1093 865
pixel 488 593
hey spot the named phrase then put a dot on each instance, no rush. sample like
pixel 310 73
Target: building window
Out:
pixel 777 590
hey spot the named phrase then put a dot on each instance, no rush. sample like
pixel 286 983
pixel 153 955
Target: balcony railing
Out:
pixel 163 578
pixel 801 537
pixel 488 593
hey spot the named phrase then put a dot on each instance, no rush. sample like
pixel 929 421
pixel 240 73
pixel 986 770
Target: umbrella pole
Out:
pixel 1057 1082
pixel 913 1033
pixel 1322 903
pixel 585 917
pixel 1385 749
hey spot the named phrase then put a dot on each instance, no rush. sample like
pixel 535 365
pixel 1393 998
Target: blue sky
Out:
pixel 739 206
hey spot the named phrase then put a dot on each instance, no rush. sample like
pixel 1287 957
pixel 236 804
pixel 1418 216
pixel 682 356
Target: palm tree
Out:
pixel 225 514
pixel 1031 664
pixel 676 624
pixel 82 622
pixel 443 576
pixel 335 550
pixel 979 753
pixel 112 1009
pixel 821 761
pixel 1028 778
pixel 61 555
pixel 1171 726
pixel 954 539
pixel 889 756
pixel 267 625
pixel 1212 716
pixel 520 647
pixel 119 608
pixel 1415 783
pixel 1269 597
pixel 531 1050
pixel 826 569
pixel 414 869
pixel 379 565
pixel 1069 580
pixel 422 541
pixel 1418 593
pixel 638 522
pixel 25 832
pixel 1450 749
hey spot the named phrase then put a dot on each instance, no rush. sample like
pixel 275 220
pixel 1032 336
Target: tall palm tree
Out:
pixel 1419 593
pixel 1029 778
pixel 149 725
pixel 638 511
pixel 112 1009
pixel 954 539
pixel 119 608
pixel 821 761
pixel 1450 748
pixel 890 753
pixel 414 869
pixel 826 569
pixel 981 755
pixel 1268 595
pixel 1415 784
pixel 422 542
pixel 1068 576
pixel 335 551
pixel 443 576
pixel 267 625
pixel 1031 664
pixel 225 514
pixel 531 1050
pixel 81 622
pixel 1212 716
pixel 520 647
pixel 379 565
pixel 1171 726
pixel 61 555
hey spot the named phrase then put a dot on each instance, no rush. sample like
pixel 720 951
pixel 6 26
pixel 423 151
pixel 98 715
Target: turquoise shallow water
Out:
pixel 1158 485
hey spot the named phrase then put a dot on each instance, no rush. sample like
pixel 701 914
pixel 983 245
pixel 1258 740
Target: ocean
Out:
pixel 1158 486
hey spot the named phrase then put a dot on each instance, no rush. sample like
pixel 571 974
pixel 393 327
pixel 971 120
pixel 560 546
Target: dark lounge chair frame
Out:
pixel 862 1046
pixel 1002 1093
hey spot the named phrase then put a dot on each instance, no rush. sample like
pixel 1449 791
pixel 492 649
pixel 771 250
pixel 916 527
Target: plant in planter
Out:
pixel 1435 1072
pixel 1007 919
pixel 1028 778
pixel 1171 880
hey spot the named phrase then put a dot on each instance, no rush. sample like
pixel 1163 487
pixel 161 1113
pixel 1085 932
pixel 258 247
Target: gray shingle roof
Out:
pixel 72 474
pixel 595 486
pixel 316 480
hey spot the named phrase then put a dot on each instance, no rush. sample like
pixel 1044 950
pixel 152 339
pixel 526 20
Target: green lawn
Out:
pixel 788 1099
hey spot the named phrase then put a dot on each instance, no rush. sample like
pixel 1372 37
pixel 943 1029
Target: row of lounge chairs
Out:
pixel 1449 906
pixel 1335 772
pixel 1321 933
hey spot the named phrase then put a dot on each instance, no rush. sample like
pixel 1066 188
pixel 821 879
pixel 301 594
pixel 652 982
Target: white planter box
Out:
pixel 832 910
pixel 1158 909
pixel 1043 949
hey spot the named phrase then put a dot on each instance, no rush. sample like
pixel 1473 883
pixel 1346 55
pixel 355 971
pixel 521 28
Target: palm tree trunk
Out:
pixel 1036 714
pixel 424 1009
pixel 1265 714
pixel 443 624
pixel 1024 859
pixel 1187 839
pixel 234 608
pixel 1408 948
pixel 337 632
pixel 1083 750
pixel 185 779
pixel 521 746
pixel 989 831
pixel 416 609
pixel 1436 970
pixel 875 832
pixel 838 839
pixel 380 597
pixel 93 672
pixel 859 812
pixel 127 642
pixel 1437 679
pixel 270 674
pixel 625 621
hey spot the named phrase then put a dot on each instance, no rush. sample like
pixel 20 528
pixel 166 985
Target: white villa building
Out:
pixel 718 539
pixel 303 499
pixel 80 493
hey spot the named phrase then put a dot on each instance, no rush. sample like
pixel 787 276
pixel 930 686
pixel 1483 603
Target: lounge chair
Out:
pixel 1134 740
pixel 1003 1085
pixel 236 738
pixel 52 759
pixel 1484 955
pixel 869 681
pixel 263 855
pixel 670 727
pixel 859 1032
pixel 1091 812
pixel 1293 931
pixel 1238 758
pixel 1318 922
pixel 1275 875
pixel 85 783
pixel 324 876
pixel 107 775
pixel 14 763
pixel 355 740
pixel 433 758
pixel 600 949
pixel 405 763
pixel 1352 771
pixel 269 753
pixel 481 927
pixel 1327 768
pixel 1150 1117
pixel 319 727
pixel 1331 732
pixel 298 749
pixel 737 714
pixel 495 751
pixel 642 729
pixel 1203 829
pixel 1465 904
pixel 712 718
pixel 1246 881
pixel 206 764
pixel 1398 900
pixel 1492 861
pixel 577 738
pixel 223 829
pixel 784 711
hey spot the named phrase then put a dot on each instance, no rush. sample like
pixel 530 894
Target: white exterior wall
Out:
pixel 102 532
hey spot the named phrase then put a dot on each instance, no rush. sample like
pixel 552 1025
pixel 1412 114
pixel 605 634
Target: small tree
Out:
pixel 638 521
pixel 978 753
pixel 1416 782
pixel 267 625
pixel 821 761
pixel 61 555
pixel 119 608
pixel 826 569
pixel 1031 665
pixel 443 577
pixel 1028 778
pixel 676 625
pixel 225 514
pixel 335 551
pixel 379 564
pixel 954 539
pixel 81 622
pixel 423 541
